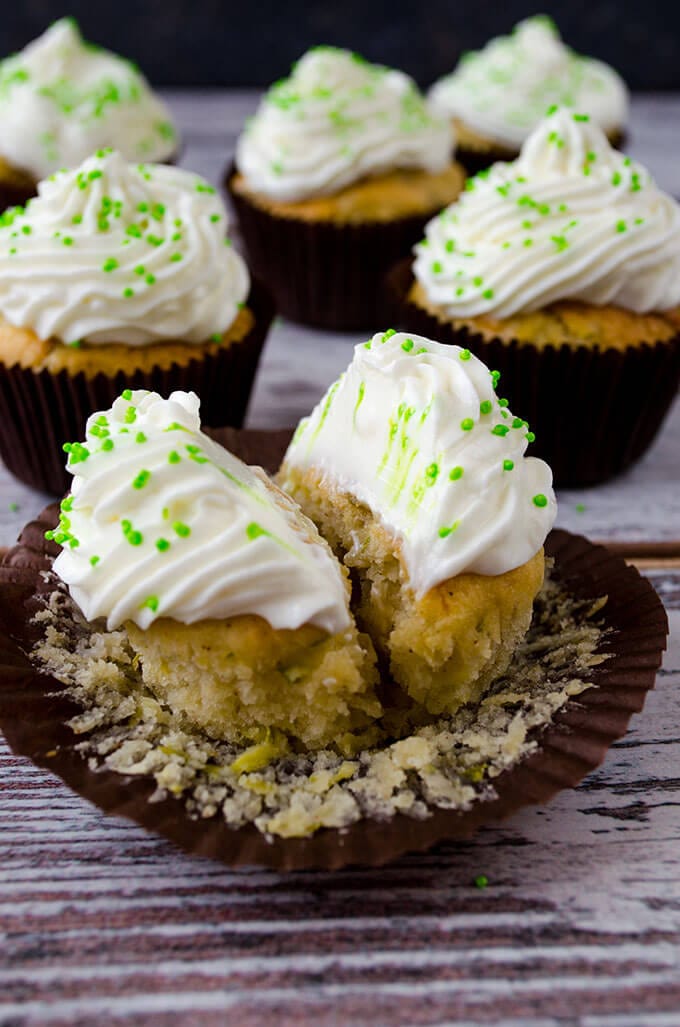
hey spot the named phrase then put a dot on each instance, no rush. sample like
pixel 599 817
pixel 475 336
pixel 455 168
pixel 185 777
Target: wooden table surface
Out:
pixel 101 922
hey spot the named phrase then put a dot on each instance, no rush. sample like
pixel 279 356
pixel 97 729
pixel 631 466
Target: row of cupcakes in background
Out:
pixel 560 268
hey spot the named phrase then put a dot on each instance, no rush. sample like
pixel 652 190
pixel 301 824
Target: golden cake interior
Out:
pixel 443 648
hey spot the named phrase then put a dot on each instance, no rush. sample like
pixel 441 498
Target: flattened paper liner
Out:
pixel 320 273
pixel 594 412
pixel 34 720
pixel 39 412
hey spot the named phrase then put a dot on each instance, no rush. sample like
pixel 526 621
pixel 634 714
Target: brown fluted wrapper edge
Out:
pixel 39 412
pixel 594 412
pixel 323 274
pixel 33 713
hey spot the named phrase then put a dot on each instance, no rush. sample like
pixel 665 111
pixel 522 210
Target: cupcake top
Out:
pixel 570 219
pixel 61 98
pixel 414 430
pixel 336 119
pixel 502 91
pixel 163 522
pixel 114 252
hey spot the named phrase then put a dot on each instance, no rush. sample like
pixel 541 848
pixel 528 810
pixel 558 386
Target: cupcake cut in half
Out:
pixel 61 98
pixel 562 270
pixel 335 175
pixel 496 96
pixel 416 473
pixel 118 274
pixel 236 608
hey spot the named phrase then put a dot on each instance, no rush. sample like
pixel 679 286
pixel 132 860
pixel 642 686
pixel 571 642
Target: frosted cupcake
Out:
pixel 417 475
pixel 235 608
pixel 497 96
pixel 116 275
pixel 562 271
pixel 335 177
pixel 61 99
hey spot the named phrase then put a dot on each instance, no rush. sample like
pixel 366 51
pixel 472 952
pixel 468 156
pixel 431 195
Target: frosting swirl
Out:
pixel 502 91
pixel 163 522
pixel 571 218
pixel 62 98
pixel 431 450
pixel 111 252
pixel 336 119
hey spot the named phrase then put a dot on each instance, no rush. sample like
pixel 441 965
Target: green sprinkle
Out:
pixel 481 880
pixel 174 457
pixel 495 378
pixel 94 560
pixel 127 394
pixel 130 415
pixel 540 500
pixel 517 422
pixel 445 532
pixel 467 424
pixel 388 334
pixel 488 294
pixel 181 529
pixel 67 240
pixel 456 473
pixel 110 264
pixel 107 445
pixel 134 231
pixel 432 473
pixel 449 245
pixel 143 207
pixel 580 508
pixel 141 480
pixel 465 354
pixel 150 280
pixel 407 345
pixel 486 406
pixel 15 506
pixel 508 465
pixel 500 429
pixel 140 270
pixel 128 293
pixel 621 226
pixel 76 219
pixel 175 258
pixel 616 178
pixel 530 437
pixel 437 267
pixel 162 545
pixel 216 337
pixel 150 603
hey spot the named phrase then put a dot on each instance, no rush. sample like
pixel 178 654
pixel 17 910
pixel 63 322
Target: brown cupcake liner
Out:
pixel 34 712
pixel 594 412
pixel 41 411
pixel 324 274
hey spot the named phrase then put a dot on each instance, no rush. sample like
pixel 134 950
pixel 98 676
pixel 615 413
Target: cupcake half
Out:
pixel 562 271
pixel 496 96
pixel 235 609
pixel 416 473
pixel 335 176
pixel 63 98
pixel 116 275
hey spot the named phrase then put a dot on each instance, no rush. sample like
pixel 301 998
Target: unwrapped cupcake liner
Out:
pixel 34 712
pixel 594 412
pixel 321 273
pixel 41 411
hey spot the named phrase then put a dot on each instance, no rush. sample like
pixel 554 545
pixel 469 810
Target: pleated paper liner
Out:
pixel 324 274
pixel 34 712
pixel 41 411
pixel 594 412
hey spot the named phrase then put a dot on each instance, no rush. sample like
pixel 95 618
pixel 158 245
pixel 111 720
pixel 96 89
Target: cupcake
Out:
pixel 561 270
pixel 235 609
pixel 116 275
pixel 498 95
pixel 417 475
pixel 61 99
pixel 335 177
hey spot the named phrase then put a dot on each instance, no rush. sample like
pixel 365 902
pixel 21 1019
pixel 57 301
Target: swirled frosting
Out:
pixel 62 98
pixel 163 522
pixel 414 430
pixel 336 119
pixel 113 252
pixel 503 91
pixel 571 218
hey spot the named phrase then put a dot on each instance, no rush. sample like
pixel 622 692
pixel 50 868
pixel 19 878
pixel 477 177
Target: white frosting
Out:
pixel 62 98
pixel 113 252
pixel 336 119
pixel 504 90
pixel 571 218
pixel 163 522
pixel 414 430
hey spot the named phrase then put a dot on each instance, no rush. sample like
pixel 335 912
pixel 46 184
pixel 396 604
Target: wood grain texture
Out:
pixel 101 922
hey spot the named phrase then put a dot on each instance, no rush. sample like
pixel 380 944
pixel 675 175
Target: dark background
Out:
pixel 250 43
